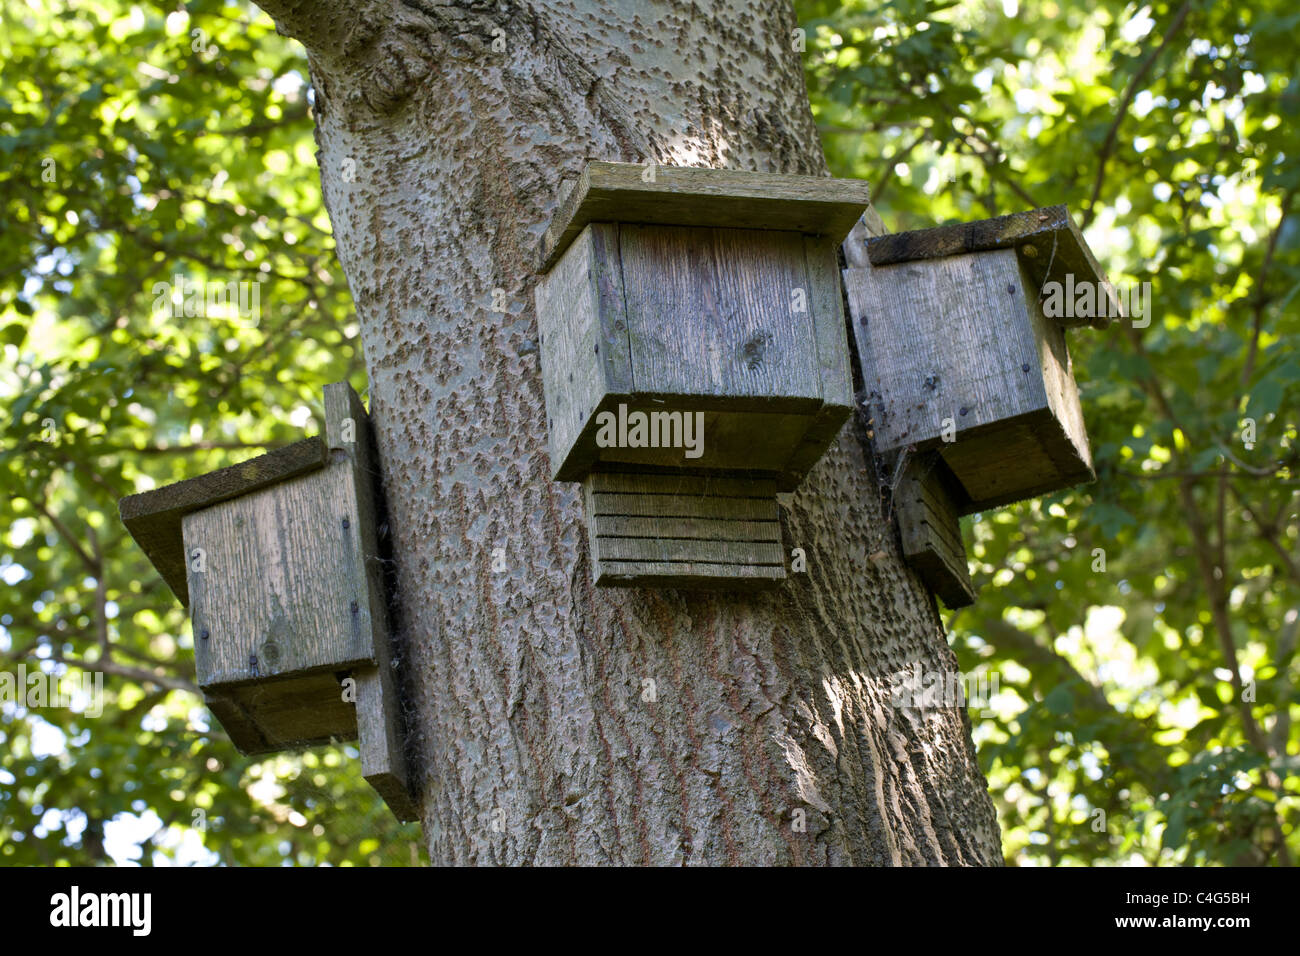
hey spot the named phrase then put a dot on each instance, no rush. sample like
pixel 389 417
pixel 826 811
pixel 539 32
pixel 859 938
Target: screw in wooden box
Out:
pixel 688 291
pixel 277 559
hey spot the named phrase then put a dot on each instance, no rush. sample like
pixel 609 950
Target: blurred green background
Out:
pixel 1142 630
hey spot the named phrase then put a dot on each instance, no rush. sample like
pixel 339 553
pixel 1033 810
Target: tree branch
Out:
pixel 137 674
pixel 1261 300
pixel 1108 146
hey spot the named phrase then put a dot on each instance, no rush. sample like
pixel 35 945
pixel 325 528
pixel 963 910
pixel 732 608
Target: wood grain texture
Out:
pixel 741 440
pixel 154 517
pixel 283 591
pixel 580 309
pixel 931 532
pixel 834 366
pixel 285 714
pixel 288 601
pixel 745 325
pixel 957 339
pixel 710 313
pixel 1047 241
pixel 944 339
pixel 1034 453
pixel 685 196
pixel 379 716
pixel 683 531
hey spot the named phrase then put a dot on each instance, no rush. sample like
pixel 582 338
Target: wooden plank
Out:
pixel 613 348
pixel 728 443
pixel 154 517
pixel 683 531
pixel 584 348
pixel 684 506
pixel 714 486
pixel 928 521
pixel 948 338
pixel 822 432
pixel 379 716
pixel 732 577
pixel 854 246
pixel 281 590
pixel 682 196
pixel 665 549
pixel 826 303
pixel 712 529
pixel 294 713
pixel 727 295
pixel 1019 459
pixel 242 729
pixel 381 737
pixel 1047 241
pixel 930 531
pixel 1035 453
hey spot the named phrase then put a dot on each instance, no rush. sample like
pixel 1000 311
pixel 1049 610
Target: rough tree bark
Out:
pixel 445 132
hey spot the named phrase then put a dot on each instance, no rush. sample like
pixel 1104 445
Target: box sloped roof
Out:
pixel 688 196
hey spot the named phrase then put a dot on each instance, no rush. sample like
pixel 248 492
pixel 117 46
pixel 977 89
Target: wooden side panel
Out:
pixel 244 732
pixel 726 439
pixel 284 714
pixel 1058 382
pixel 826 305
pixel 154 517
pixel 947 338
pixel 379 717
pixel 283 586
pixel 583 342
pixel 1036 453
pixel 710 313
pixel 682 531
pixel 1017 459
pixel 680 319
pixel 931 532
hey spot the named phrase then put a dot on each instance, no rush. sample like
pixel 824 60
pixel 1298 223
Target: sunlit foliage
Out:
pixel 149 145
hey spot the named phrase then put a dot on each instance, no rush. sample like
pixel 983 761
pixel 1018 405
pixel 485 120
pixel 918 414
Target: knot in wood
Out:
pixel 754 351
pixel 270 654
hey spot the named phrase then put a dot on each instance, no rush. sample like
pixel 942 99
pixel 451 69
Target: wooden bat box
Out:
pixel 277 559
pixel 968 384
pixel 958 356
pixel 703 304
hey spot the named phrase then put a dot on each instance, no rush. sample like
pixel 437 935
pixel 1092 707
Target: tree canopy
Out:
pixel 1142 629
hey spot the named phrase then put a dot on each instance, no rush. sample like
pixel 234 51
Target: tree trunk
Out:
pixel 552 722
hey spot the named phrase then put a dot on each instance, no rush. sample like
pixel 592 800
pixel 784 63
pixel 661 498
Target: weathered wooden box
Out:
pixel 277 559
pixel 958 356
pixel 704 304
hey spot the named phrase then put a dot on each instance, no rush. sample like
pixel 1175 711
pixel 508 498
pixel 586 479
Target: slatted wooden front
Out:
pixel 931 531
pixel 684 531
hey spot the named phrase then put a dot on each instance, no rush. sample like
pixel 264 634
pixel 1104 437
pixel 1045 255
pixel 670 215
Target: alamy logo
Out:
pixel 929 689
pixel 75 909
pixel 651 430
pixel 235 302
pixel 1096 300
pixel 39 689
